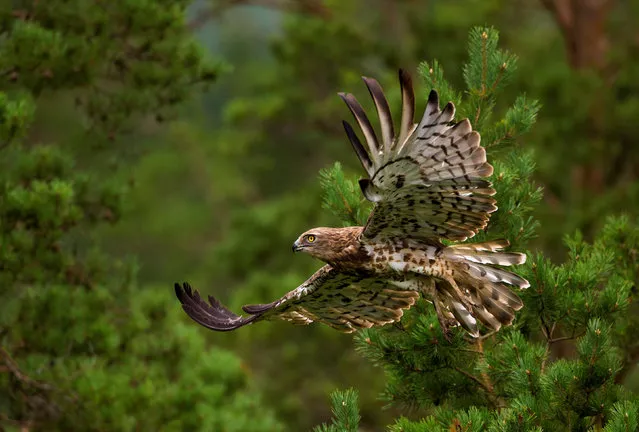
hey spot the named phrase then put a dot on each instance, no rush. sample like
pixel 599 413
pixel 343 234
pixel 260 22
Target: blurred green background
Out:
pixel 217 194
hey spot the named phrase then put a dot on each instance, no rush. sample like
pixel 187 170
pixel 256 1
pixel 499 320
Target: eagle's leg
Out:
pixel 443 320
pixel 429 290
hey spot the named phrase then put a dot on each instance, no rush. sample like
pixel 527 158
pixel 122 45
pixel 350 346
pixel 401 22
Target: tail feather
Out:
pixel 464 317
pixel 501 258
pixel 503 295
pixel 488 300
pixel 486 318
pixel 479 256
pixel 494 305
pixel 492 246
pixel 497 275
pixel 502 312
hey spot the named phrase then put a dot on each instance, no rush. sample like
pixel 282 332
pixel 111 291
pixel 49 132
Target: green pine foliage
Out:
pixel 558 366
pixel 345 412
pixel 346 202
pixel 82 345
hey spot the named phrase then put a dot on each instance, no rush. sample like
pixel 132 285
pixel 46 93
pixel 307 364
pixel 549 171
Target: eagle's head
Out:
pixel 327 244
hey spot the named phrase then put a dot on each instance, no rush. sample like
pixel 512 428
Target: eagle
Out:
pixel 428 185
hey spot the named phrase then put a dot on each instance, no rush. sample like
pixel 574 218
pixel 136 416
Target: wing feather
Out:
pixel 346 301
pixel 359 148
pixel 383 111
pixel 430 184
pixel 212 315
pixel 365 125
pixel 408 106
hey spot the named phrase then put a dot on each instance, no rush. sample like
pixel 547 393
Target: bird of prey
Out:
pixel 427 183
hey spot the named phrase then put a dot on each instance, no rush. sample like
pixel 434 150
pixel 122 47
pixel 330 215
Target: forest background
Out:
pixel 214 190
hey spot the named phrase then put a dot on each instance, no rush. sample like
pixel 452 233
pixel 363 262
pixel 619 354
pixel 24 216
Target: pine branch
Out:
pixel 488 70
pixel 433 75
pixel 624 417
pixel 518 120
pixel 342 196
pixel 345 412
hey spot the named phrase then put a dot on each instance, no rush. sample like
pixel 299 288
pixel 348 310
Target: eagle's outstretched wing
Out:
pixel 428 182
pixel 346 301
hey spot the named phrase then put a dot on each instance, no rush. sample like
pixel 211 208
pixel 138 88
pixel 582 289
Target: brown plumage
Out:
pixel 339 247
pixel 427 184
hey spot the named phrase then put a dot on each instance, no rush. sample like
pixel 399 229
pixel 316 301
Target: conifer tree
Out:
pixel 82 346
pixel 558 367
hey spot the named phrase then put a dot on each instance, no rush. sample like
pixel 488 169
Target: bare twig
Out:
pixel 487 382
pixel 565 338
pixel 547 351
pixel 474 378
pixel 484 337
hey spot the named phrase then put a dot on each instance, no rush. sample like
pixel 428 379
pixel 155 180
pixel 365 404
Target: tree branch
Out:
pixel 582 24
pixel 12 367
pixel 474 378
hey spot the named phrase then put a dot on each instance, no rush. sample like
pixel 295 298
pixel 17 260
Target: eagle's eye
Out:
pixel 310 238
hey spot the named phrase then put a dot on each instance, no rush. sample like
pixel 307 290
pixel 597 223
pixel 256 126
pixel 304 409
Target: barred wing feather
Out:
pixel 428 182
pixel 346 301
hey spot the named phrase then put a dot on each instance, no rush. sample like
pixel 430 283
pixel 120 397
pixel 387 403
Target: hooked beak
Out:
pixel 296 247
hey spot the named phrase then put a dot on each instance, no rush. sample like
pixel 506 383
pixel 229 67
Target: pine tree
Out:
pixel 559 365
pixel 82 346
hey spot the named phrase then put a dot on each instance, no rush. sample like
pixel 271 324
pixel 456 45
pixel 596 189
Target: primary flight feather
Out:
pixel 428 183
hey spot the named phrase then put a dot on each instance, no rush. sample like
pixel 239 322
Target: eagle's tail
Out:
pixel 490 300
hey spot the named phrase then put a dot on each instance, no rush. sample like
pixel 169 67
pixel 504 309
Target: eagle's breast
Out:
pixel 406 258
